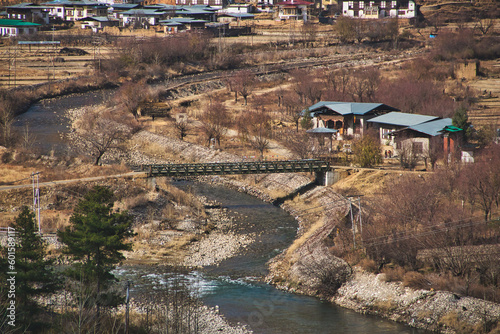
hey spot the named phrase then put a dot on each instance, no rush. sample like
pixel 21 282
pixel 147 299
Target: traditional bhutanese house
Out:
pixel 177 24
pixel 12 28
pixel 389 123
pixel 199 12
pixel 142 17
pixel 422 137
pixel 117 8
pixel 97 23
pixel 234 17
pixel 68 10
pixel 349 118
pixel 29 12
pixel 294 10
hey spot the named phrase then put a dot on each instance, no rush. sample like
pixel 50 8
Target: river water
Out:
pixel 235 285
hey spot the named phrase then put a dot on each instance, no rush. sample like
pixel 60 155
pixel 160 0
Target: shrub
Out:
pixel 415 280
pixel 395 274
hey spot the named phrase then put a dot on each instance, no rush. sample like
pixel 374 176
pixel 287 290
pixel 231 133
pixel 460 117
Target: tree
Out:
pixel 345 29
pixel 306 120
pixel 242 82
pixel 182 128
pixel 367 151
pixel 255 126
pixel 461 120
pixel 94 241
pixel 215 121
pixel 34 276
pixel 97 132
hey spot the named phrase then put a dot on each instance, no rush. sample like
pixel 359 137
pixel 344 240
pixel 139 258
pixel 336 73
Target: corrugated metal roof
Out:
pixel 432 128
pixel 402 119
pixel 17 23
pixel 350 108
pixel 322 130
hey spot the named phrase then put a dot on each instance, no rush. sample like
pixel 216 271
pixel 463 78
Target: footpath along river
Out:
pixel 235 285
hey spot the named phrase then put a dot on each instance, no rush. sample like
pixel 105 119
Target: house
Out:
pixel 390 123
pixel 232 17
pixel 237 8
pixel 294 10
pixel 176 24
pixel 116 9
pixel 142 17
pixel 97 23
pixel 349 118
pixel 422 137
pixel 379 9
pixel 13 28
pixel 68 10
pixel 29 12
pixel 212 3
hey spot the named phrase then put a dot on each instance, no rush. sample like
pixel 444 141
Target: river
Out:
pixel 235 285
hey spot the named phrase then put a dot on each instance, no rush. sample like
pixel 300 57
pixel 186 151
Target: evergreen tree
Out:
pixel 32 272
pixel 366 151
pixel 306 121
pixel 94 240
pixel 461 120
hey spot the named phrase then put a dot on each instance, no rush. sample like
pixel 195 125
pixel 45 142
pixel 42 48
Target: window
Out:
pixel 361 4
pixel 417 147
pixel 384 133
pixel 382 4
pixel 351 4
pixel 394 4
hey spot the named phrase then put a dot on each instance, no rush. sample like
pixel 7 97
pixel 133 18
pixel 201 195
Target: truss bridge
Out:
pixel 228 168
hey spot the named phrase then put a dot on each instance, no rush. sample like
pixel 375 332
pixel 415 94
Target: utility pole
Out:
pixel 127 300
pixel 353 225
pixel 360 221
pixel 36 198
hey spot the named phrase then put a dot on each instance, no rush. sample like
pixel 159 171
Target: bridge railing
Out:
pixel 228 168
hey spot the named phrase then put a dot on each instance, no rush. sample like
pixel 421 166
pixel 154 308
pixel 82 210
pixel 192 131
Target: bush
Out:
pixel 395 274
pixel 415 280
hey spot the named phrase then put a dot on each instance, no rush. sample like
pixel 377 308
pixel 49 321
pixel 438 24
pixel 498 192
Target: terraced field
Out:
pixel 487 112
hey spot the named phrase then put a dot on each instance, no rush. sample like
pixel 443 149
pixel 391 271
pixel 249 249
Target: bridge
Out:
pixel 228 168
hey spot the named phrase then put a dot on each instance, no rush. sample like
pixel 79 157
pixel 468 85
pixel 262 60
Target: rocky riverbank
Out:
pixel 357 290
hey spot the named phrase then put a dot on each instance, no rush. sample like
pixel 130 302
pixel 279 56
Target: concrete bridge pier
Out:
pixel 327 178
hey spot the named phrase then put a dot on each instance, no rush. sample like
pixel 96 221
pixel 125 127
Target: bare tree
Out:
pixel 6 121
pixel 182 128
pixel 243 83
pixel 98 131
pixel 215 121
pixel 485 25
pixel 255 126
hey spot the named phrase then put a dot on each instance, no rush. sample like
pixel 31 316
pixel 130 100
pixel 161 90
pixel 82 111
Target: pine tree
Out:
pixel 33 273
pixel 461 120
pixel 94 240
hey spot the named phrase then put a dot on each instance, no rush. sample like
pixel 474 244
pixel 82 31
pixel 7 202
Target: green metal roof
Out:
pixel 17 23
pixel 451 128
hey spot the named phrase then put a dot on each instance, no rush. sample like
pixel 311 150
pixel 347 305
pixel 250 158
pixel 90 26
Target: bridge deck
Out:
pixel 225 168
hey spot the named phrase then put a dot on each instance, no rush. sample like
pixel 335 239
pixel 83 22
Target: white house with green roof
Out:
pixel 13 28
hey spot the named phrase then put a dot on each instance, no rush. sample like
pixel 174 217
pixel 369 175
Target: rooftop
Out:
pixel 403 119
pixel 349 108
pixel 17 23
